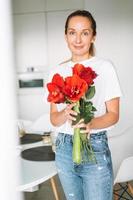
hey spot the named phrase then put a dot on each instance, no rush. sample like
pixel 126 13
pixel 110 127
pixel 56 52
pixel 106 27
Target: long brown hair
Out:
pixel 88 15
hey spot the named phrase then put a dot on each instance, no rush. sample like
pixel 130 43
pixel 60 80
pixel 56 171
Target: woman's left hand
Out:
pixel 84 128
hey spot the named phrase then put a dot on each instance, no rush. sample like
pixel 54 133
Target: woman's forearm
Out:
pixel 58 118
pixel 109 118
pixel 104 121
pixel 101 122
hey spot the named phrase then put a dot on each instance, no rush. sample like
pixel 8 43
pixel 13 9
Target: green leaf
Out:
pixel 94 109
pixel 90 93
pixel 67 101
pixel 88 117
pixel 88 106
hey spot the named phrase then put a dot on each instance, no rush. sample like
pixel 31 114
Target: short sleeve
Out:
pixel 111 82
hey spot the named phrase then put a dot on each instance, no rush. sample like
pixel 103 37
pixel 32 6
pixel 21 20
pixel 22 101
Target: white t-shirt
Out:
pixel 106 85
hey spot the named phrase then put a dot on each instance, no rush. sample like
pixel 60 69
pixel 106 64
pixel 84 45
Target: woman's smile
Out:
pixel 78 47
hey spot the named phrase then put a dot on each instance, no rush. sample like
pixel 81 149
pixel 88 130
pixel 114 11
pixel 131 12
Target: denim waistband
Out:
pixel 94 136
pixel 99 135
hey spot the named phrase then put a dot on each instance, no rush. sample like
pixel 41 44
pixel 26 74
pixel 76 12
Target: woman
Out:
pixel 86 181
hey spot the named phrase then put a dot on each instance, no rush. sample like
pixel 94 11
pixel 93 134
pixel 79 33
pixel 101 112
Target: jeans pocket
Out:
pixel 99 145
pixel 101 149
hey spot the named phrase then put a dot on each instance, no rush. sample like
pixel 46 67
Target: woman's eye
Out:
pixel 86 33
pixel 71 33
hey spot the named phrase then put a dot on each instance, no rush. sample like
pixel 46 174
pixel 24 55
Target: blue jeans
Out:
pixel 86 181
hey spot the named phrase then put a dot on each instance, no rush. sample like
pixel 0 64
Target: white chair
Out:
pixel 40 125
pixel 125 174
pixel 121 147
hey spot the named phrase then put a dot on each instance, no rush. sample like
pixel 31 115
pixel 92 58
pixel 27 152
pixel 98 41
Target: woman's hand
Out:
pixel 69 113
pixel 84 128
pixel 58 118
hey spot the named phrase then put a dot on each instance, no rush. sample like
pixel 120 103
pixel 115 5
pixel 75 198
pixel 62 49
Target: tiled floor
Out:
pixel 45 192
pixel 122 188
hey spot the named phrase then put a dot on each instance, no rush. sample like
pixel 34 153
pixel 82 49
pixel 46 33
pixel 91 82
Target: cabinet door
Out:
pixel 64 4
pixel 26 6
pixel 30 40
pixel 57 48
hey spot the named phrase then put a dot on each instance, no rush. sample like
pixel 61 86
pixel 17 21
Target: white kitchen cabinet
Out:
pixel 52 5
pixel 28 6
pixel 30 41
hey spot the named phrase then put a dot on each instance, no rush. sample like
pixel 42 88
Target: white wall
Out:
pixel 57 47
pixel 114 41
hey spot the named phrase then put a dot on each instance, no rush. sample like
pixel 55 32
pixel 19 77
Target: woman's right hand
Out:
pixel 69 113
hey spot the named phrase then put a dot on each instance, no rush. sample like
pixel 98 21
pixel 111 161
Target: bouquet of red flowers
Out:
pixel 78 88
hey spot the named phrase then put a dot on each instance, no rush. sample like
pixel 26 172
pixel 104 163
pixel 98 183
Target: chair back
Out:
pixel 121 147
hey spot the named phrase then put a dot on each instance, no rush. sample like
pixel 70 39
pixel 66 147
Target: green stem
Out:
pixel 76 147
pixel 81 146
pixel 76 140
pixel 76 107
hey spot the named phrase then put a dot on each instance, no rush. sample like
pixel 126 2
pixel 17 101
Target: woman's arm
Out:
pixel 111 117
pixel 108 119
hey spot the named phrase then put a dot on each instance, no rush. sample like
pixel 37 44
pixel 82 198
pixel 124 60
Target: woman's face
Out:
pixel 79 37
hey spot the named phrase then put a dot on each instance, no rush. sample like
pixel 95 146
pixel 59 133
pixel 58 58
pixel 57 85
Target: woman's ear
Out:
pixel 93 39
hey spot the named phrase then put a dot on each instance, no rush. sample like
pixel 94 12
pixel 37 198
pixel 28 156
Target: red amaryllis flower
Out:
pixel 55 89
pixel 75 87
pixel 85 73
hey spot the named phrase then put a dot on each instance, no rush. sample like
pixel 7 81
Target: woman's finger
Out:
pixel 84 131
pixel 79 125
pixel 84 128
pixel 81 121
pixel 68 111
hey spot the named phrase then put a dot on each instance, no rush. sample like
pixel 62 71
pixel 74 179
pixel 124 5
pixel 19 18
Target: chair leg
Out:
pixel 116 197
pixel 130 187
pixel 54 188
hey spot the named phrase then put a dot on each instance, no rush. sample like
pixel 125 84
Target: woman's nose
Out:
pixel 78 38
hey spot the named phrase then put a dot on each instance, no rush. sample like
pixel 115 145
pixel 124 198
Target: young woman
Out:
pixel 86 181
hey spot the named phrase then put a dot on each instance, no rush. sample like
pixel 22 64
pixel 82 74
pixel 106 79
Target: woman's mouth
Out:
pixel 78 47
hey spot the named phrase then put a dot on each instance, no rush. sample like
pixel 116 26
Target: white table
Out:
pixel 34 173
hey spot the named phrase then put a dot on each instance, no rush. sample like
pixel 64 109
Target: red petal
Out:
pixel 52 87
pixel 78 68
pixel 58 80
